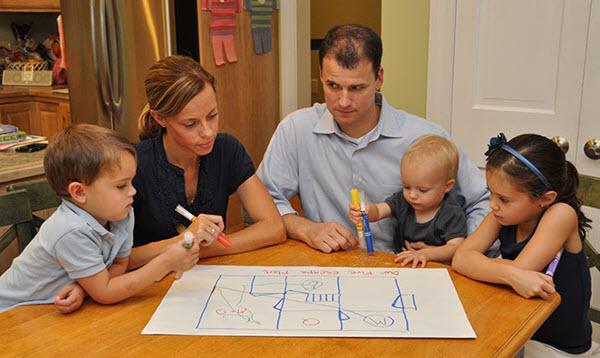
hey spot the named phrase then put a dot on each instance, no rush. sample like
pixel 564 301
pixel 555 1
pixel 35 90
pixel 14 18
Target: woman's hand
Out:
pixel 206 228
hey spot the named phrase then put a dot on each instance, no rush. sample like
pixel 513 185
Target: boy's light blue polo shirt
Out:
pixel 71 244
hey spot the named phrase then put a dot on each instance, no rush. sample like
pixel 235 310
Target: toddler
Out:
pixel 430 222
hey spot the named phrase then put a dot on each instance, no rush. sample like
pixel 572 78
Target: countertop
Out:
pixel 15 165
pixel 56 92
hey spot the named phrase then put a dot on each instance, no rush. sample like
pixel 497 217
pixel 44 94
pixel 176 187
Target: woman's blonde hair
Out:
pixel 170 84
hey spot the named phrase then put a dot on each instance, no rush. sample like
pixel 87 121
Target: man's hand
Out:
pixel 331 236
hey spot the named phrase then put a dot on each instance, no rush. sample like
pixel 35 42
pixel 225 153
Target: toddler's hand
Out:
pixel 69 298
pixel 416 257
pixel 417 245
pixel 354 213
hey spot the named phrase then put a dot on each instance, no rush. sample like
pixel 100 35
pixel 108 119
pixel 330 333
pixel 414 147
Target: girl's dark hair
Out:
pixel 549 159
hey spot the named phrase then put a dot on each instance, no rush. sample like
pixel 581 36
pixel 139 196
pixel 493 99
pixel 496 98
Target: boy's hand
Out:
pixel 180 259
pixel 206 228
pixel 408 256
pixel 69 298
pixel 354 213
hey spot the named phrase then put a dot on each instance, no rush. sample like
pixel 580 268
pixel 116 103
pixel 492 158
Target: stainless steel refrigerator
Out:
pixel 110 44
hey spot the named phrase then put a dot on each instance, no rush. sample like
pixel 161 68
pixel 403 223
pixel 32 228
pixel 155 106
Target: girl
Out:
pixel 536 215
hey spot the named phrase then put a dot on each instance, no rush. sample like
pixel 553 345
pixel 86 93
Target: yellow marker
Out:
pixel 359 227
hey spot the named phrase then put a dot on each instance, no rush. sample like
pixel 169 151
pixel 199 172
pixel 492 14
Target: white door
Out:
pixel 518 68
pixel 589 127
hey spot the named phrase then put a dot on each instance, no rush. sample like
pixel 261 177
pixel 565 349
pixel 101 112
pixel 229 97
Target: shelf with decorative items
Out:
pixel 30 6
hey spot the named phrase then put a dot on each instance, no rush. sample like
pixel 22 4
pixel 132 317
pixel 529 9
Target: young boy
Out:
pixel 430 223
pixel 89 237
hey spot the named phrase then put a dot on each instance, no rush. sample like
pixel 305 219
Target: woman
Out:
pixel 182 160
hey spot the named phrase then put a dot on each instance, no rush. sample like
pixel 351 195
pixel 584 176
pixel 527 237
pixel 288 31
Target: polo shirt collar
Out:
pixel 387 126
pixel 85 216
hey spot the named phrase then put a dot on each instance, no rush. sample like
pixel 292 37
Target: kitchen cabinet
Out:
pixel 30 6
pixel 36 112
pixel 17 114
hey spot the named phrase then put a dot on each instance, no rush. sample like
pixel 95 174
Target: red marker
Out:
pixel 186 214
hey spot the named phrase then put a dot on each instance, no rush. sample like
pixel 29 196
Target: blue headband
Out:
pixel 499 142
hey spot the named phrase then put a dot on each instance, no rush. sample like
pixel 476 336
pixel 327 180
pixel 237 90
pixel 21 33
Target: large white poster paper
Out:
pixel 312 301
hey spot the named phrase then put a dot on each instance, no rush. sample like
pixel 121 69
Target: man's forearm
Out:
pixel 297 227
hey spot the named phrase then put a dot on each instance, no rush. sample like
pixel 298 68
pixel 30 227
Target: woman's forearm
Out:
pixel 262 233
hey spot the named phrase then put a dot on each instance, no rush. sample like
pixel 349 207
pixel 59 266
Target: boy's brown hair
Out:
pixel 435 148
pixel 80 153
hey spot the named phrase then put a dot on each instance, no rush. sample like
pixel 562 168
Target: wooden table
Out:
pixel 502 320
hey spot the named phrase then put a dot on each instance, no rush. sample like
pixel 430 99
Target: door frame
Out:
pixel 440 68
pixel 294 55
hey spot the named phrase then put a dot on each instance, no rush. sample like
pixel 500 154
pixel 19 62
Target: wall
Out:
pixel 325 14
pixel 405 35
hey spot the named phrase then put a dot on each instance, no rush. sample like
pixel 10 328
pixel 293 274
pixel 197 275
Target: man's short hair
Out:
pixel 351 43
pixel 80 153
pixel 437 150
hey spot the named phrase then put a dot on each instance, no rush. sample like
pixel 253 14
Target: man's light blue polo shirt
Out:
pixel 71 244
pixel 310 156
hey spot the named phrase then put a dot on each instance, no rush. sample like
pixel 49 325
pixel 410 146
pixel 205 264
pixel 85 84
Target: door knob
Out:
pixel 562 143
pixel 592 149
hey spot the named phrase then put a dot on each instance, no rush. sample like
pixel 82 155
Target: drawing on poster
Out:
pixel 312 301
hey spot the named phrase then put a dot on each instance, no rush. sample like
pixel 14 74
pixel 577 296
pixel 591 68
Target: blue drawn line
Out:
pixel 207 300
pixel 251 292
pixel 282 303
pixel 340 305
pixel 283 297
pixel 414 301
pixel 401 302
pixel 300 293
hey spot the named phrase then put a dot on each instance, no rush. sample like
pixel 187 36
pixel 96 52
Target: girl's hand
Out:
pixel 528 283
pixel 206 228
pixel 408 256
pixel 354 213
pixel 180 259
pixel 69 298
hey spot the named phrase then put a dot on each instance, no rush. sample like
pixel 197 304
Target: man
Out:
pixel 355 140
